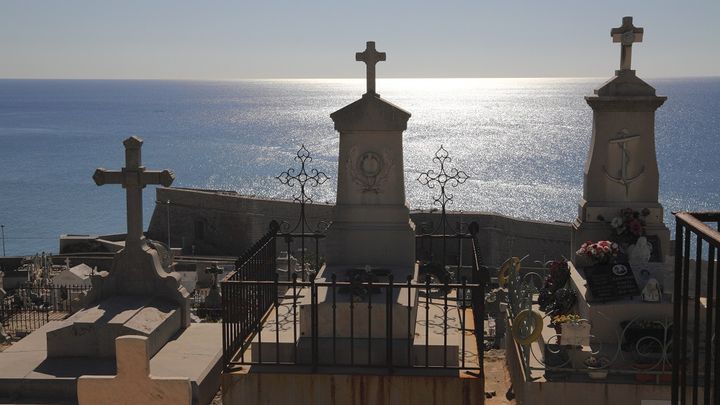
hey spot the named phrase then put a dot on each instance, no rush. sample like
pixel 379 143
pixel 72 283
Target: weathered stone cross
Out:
pixel 626 34
pixel 370 56
pixel 133 178
pixel 133 383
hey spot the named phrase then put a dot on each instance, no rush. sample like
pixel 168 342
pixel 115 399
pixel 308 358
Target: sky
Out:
pixel 219 40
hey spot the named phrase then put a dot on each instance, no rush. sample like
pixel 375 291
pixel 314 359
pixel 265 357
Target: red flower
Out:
pixel 635 227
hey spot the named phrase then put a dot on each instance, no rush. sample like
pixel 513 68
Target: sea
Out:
pixel 522 142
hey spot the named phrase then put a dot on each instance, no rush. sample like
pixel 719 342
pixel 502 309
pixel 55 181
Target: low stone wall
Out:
pixel 303 387
pixel 226 223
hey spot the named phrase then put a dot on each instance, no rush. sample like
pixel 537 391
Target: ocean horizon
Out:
pixel 522 141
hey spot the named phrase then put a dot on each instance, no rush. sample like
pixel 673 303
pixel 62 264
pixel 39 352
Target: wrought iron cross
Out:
pixel 371 57
pixel 302 178
pixel 626 34
pixel 133 178
pixel 452 177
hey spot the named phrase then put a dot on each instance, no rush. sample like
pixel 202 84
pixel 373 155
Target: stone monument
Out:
pixel 371 211
pixel 139 296
pixel 620 201
pixel 621 169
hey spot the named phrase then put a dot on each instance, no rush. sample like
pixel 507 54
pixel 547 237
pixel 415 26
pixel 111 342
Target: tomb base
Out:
pixel 27 374
pixel 91 332
pixel 606 316
pixel 342 386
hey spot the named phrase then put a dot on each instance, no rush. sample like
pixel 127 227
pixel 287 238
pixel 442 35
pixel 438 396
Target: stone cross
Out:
pixel 626 34
pixel 370 56
pixel 133 383
pixel 133 178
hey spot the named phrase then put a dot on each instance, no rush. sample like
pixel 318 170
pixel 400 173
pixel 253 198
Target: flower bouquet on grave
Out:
pixel 629 225
pixel 597 367
pixel 571 326
pixel 557 278
pixel 600 252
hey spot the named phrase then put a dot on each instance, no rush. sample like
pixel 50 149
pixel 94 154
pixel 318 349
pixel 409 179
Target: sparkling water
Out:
pixel 523 142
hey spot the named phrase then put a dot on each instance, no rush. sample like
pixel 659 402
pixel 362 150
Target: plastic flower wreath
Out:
pixel 602 250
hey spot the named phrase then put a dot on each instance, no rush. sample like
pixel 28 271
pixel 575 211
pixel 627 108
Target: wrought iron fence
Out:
pixel 240 320
pixel 696 310
pixel 270 321
pixel 28 307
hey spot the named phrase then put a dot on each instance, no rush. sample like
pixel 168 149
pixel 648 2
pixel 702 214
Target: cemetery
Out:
pixel 368 301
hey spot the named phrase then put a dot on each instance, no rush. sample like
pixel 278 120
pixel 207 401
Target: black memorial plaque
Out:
pixel 608 282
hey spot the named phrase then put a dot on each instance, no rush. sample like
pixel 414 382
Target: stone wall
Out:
pixel 226 223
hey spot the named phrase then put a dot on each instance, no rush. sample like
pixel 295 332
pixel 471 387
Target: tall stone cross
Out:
pixel 626 34
pixel 133 178
pixel 370 56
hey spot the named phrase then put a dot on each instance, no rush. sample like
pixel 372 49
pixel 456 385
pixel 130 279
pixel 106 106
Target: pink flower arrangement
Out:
pixel 601 250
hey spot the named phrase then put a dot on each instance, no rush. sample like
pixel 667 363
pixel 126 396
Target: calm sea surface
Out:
pixel 522 141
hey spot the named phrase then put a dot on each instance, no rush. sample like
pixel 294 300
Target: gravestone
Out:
pixel 133 383
pixel 621 170
pixel 371 223
pixel 139 295
pixel 371 237
pixel 621 175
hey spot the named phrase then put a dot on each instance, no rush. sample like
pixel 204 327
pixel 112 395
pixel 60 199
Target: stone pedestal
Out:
pixel 371 223
pixel 605 317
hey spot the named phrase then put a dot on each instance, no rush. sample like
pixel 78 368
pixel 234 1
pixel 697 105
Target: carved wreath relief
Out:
pixel 369 169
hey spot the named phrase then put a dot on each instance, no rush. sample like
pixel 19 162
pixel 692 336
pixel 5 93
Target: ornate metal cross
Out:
pixel 623 179
pixel 370 56
pixel 302 178
pixel 133 178
pixel 442 178
pixel 626 34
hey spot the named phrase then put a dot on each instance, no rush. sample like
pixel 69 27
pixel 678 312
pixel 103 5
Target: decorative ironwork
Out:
pixel 443 178
pixel 639 351
pixel 304 179
pixel 28 307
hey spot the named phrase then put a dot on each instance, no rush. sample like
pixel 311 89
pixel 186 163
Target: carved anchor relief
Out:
pixel 369 170
pixel 623 137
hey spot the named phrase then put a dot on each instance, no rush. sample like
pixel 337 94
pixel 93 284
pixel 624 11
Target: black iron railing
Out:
pixel 696 312
pixel 239 320
pixel 354 321
pixel 28 307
